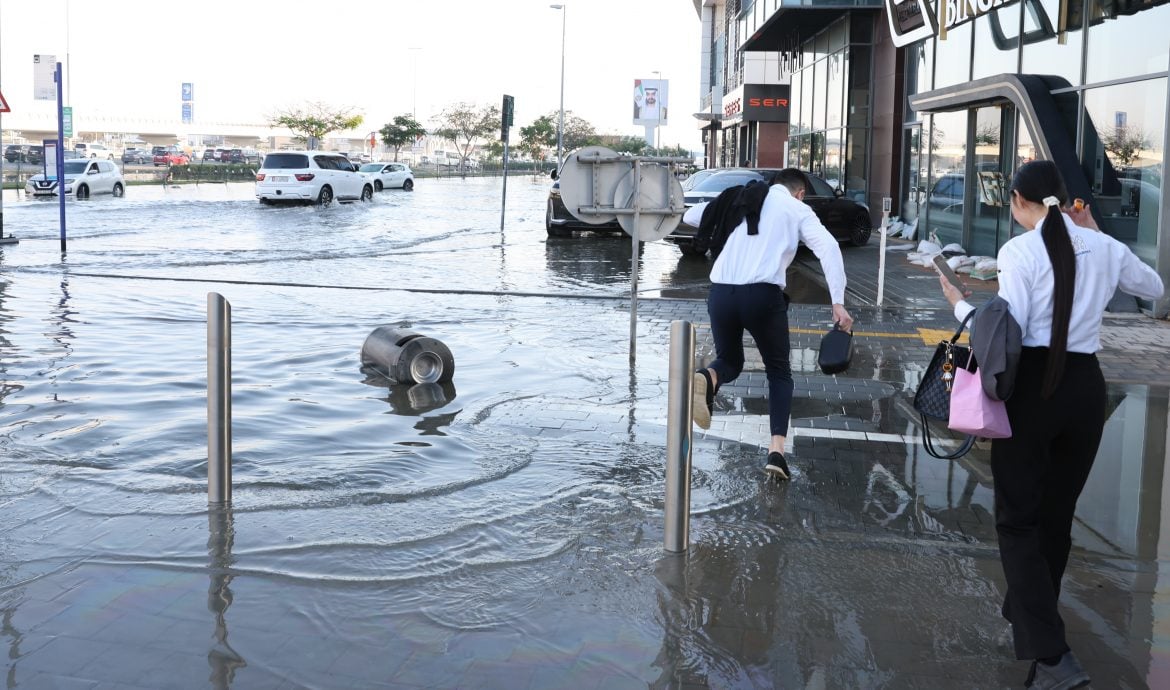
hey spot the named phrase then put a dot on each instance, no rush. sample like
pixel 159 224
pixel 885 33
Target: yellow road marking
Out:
pixel 929 336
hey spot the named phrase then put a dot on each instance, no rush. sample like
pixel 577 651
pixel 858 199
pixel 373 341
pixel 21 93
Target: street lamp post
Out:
pixel 657 115
pixel 561 121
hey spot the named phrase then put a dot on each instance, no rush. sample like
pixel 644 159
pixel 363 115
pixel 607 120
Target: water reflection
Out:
pixel 224 660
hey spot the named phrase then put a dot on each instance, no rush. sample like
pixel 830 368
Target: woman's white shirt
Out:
pixel 1103 265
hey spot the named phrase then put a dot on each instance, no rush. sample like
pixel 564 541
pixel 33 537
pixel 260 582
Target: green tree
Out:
pixel 402 131
pixel 1125 144
pixel 463 124
pixel 578 132
pixel 635 146
pixel 312 121
pixel 540 136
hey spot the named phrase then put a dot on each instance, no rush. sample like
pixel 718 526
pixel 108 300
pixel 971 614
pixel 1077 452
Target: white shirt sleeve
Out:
pixel 694 214
pixel 1015 282
pixel 962 308
pixel 817 238
pixel 1138 279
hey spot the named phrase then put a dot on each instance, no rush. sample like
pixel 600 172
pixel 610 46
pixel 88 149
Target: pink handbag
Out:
pixel 972 412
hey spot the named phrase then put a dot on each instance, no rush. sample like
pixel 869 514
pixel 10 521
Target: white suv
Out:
pixel 312 176
pixel 91 150
pixel 82 178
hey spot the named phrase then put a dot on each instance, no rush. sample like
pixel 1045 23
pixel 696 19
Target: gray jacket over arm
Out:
pixel 996 340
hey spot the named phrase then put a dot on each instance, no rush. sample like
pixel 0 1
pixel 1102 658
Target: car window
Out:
pixel 286 161
pixel 819 186
pixel 342 163
pixel 106 166
pixel 371 167
pixel 717 183
pixel 75 167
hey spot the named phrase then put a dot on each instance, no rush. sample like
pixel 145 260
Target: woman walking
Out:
pixel 1057 279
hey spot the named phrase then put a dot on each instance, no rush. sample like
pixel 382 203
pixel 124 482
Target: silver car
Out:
pixel 389 175
pixel 83 178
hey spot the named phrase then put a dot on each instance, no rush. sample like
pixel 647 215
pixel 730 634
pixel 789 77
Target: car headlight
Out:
pixel 69 180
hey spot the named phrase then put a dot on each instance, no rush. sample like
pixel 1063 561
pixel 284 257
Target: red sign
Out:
pixel 373 141
pixel 4 105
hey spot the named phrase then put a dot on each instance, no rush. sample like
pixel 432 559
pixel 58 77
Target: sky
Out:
pixel 249 59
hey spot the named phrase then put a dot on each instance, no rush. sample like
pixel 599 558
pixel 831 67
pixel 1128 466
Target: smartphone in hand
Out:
pixel 940 263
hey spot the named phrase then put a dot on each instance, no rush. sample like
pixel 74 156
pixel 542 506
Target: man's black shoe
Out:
pixel 777 467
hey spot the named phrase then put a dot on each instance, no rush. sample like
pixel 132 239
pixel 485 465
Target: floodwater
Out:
pixel 503 531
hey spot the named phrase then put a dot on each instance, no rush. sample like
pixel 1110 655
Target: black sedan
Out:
pixel 848 220
pixel 139 156
pixel 558 222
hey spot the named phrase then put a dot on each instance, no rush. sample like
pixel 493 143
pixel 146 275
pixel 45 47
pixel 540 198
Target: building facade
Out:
pixel 935 104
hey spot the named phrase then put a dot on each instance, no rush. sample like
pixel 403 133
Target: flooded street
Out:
pixel 506 530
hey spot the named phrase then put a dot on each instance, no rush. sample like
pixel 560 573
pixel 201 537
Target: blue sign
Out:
pixel 188 91
pixel 188 114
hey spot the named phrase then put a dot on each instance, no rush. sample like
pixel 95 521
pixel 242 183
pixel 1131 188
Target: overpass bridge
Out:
pixel 33 127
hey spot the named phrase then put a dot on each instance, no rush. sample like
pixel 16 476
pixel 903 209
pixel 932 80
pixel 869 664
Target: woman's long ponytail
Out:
pixel 1064 275
pixel 1040 183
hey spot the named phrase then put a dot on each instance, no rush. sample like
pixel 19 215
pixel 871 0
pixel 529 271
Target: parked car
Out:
pixel 389 175
pixel 15 152
pixel 210 154
pixel 93 150
pixel 83 178
pixel 35 155
pixel 697 177
pixel 136 155
pixel 848 220
pixel 243 156
pixel 558 222
pixel 310 176
pixel 170 155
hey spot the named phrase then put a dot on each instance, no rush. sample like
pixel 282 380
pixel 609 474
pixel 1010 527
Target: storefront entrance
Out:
pixel 970 158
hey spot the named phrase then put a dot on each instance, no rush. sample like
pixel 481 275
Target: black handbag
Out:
pixel 836 350
pixel 932 400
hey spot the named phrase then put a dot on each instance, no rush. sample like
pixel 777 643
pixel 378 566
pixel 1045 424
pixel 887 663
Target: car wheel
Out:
pixel 377 185
pixel 367 193
pixel 82 192
pixel 408 185
pixel 862 228
pixel 325 197
pixel 688 248
pixel 554 230
pixel 118 190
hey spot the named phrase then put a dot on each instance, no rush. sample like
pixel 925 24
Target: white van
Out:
pixel 93 150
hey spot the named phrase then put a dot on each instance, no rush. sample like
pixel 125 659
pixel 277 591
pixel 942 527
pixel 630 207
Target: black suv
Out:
pixel 35 155
pixel 14 152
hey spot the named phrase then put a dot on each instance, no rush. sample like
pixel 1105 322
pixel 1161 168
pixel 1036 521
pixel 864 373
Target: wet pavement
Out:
pixel 505 532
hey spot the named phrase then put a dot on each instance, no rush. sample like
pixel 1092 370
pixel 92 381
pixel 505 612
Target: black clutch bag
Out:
pixel 836 351
pixel 932 400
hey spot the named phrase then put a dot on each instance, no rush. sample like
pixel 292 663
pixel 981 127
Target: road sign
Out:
pixel 4 104
pixel 44 81
pixel 188 91
pixel 67 120
pixel 188 113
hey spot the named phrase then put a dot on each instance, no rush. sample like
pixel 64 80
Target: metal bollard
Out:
pixel 678 436
pixel 219 399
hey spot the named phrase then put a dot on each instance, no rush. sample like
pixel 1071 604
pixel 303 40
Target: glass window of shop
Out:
pixel 794 84
pixel 997 42
pixel 833 170
pixel 946 144
pixel 1123 154
pixel 1127 39
pixel 856 163
pixel 834 88
pixel 919 71
pixel 859 93
pixel 808 94
pixel 952 62
pixel 818 100
pixel 1046 49
pixel 913 172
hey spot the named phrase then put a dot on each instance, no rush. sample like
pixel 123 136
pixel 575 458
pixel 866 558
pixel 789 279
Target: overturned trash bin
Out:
pixel 407 357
